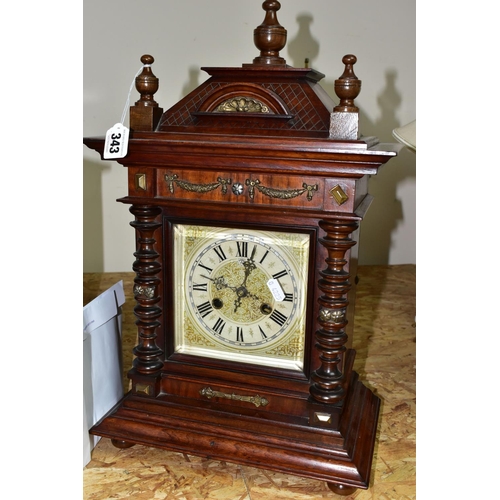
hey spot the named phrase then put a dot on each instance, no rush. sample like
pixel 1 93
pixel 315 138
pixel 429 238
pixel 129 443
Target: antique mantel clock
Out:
pixel 247 196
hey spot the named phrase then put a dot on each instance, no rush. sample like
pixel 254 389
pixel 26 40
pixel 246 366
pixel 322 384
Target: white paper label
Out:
pixel 276 290
pixel 116 145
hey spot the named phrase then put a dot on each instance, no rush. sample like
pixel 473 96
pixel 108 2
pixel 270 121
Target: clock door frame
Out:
pixel 183 373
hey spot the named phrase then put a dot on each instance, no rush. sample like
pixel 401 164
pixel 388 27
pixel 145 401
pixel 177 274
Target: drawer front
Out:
pixel 267 189
pixel 221 395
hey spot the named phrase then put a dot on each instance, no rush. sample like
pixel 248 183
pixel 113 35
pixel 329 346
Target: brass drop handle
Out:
pixel 209 393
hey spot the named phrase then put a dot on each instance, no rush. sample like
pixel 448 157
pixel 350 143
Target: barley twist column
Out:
pixel 328 380
pixel 146 289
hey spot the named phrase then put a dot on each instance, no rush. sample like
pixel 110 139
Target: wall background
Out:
pixel 184 35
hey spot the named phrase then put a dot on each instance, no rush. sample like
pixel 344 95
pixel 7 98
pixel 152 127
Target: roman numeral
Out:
pixel 220 253
pixel 264 256
pixel 219 326
pixel 205 267
pixel 288 297
pixel 239 334
pixel 279 318
pixel 280 274
pixel 205 309
pixel 200 287
pixel 242 249
pixel 264 336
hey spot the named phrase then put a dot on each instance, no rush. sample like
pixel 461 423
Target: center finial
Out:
pixel 270 36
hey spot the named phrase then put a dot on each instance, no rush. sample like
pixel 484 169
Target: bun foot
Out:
pixel 119 443
pixel 341 489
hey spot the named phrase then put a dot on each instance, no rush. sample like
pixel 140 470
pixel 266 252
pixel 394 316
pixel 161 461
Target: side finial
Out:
pixel 344 120
pixel 348 86
pixel 145 114
pixel 146 83
pixel 270 36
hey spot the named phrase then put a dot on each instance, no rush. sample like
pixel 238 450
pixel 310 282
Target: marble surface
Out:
pixel 385 341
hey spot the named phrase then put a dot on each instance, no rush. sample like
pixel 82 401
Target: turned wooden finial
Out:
pixel 146 113
pixel 270 36
pixel 344 120
pixel 146 83
pixel 348 86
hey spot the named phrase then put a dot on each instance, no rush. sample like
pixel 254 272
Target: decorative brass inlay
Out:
pixel 282 194
pixel 209 393
pixel 324 418
pixel 170 180
pixel 242 104
pixel 286 194
pixel 147 291
pixel 143 388
pixel 196 188
pixel 338 194
pixel 251 187
pixel 237 188
pixel 332 315
pixel 140 181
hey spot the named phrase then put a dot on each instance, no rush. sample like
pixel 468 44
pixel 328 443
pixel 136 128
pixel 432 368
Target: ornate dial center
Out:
pixel 241 295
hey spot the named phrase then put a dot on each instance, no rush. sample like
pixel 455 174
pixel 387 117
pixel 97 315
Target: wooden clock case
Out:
pixel 261 146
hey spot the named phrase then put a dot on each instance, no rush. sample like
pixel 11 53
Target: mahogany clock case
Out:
pixel 207 406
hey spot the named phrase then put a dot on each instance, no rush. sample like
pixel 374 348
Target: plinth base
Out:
pixel 341 456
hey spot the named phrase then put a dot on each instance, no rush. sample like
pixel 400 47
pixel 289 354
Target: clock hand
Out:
pixel 237 303
pixel 249 265
pixel 241 292
pixel 220 282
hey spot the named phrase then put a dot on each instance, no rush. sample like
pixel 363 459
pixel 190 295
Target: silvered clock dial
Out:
pixel 243 294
